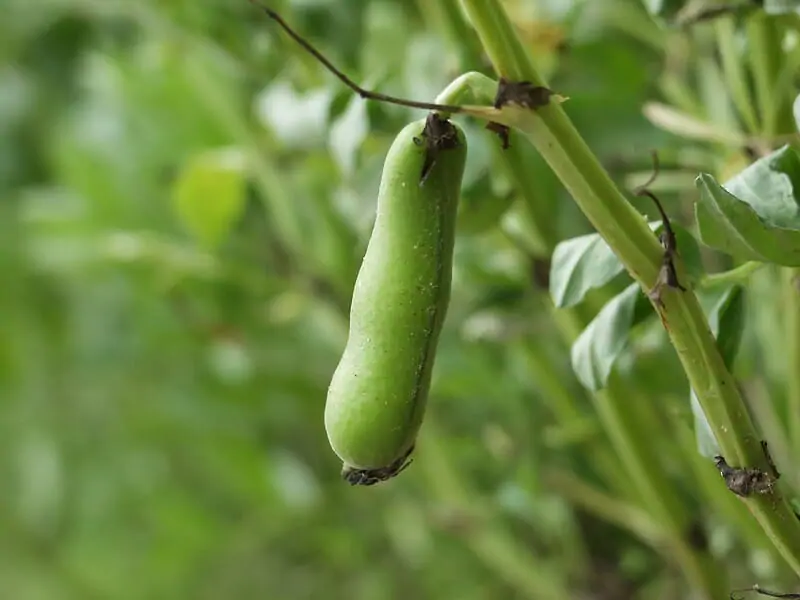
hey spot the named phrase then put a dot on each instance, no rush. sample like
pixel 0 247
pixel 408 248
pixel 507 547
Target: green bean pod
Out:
pixel 377 396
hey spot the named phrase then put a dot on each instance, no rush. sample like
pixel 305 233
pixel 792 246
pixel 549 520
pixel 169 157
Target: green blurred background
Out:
pixel 185 198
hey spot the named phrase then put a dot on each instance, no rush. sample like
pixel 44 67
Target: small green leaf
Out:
pixel 579 265
pixel 600 344
pixel 209 195
pixel 768 186
pixel 732 226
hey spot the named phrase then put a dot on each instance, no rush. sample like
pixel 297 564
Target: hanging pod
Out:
pixel 377 396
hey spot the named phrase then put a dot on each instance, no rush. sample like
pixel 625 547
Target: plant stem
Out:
pixel 626 232
pixel 475 88
pixel 706 483
pixel 622 421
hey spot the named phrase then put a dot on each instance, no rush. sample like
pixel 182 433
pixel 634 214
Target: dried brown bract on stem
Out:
pixel 523 93
pixel 502 132
pixel 437 135
pixel 667 277
pixel 746 481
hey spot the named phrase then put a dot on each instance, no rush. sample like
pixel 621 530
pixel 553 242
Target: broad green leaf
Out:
pixel 732 226
pixel 586 262
pixel 209 195
pixel 579 265
pixel 724 309
pixel 601 343
pixel 768 186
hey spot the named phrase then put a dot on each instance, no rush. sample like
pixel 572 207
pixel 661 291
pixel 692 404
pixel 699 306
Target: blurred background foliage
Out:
pixel 186 198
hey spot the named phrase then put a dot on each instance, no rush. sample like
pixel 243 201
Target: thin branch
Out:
pixel 364 93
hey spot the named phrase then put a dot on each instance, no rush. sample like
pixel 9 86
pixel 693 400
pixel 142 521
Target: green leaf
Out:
pixel 209 195
pixel 732 226
pixel 601 343
pixel 768 186
pixel 579 265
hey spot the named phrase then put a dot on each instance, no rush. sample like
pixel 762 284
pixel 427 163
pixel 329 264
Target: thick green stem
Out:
pixel 628 235
pixel 475 88
pixel 622 420
pixel 706 483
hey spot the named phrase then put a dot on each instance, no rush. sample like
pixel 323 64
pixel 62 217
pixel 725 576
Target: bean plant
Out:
pixel 388 299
